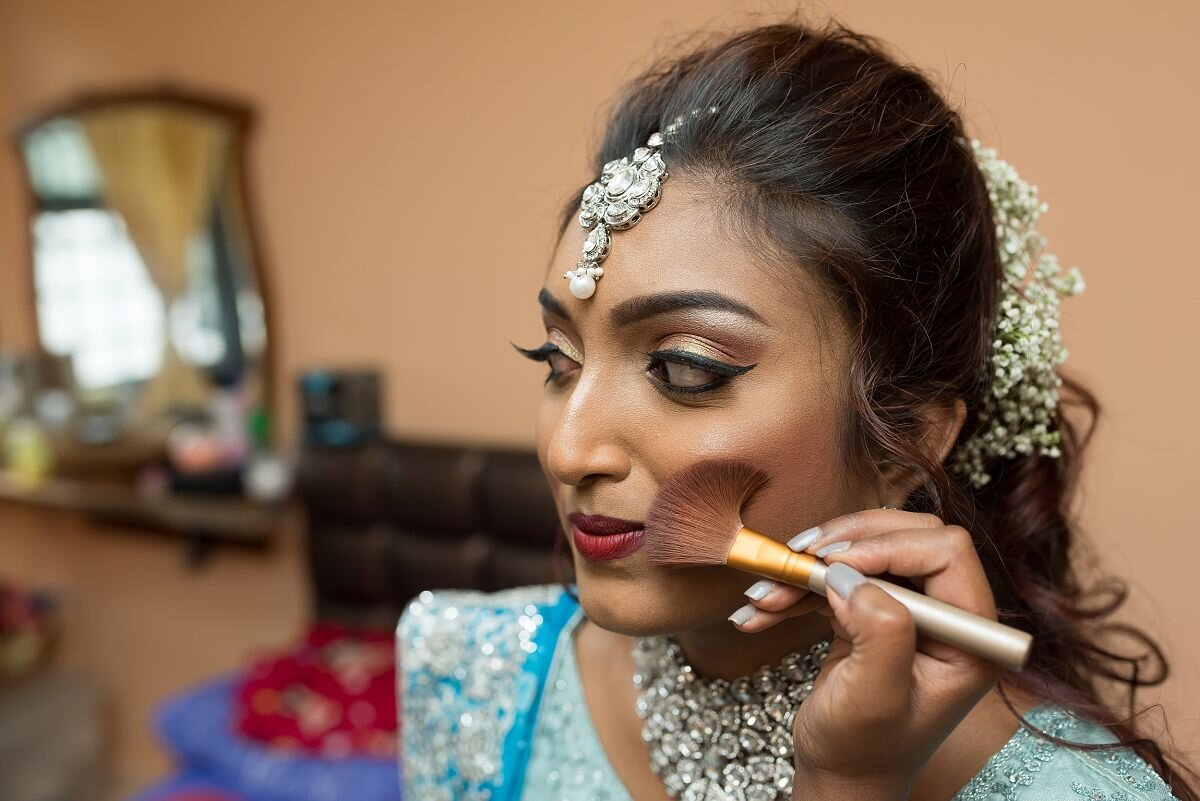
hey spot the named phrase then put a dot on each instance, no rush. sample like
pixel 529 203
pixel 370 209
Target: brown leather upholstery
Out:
pixel 390 519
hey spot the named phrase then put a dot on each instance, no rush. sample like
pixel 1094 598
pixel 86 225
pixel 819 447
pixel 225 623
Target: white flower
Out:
pixel 1018 412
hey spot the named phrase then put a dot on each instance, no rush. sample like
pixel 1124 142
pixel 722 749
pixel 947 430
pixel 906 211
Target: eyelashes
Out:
pixel 674 372
pixel 538 354
pixel 546 353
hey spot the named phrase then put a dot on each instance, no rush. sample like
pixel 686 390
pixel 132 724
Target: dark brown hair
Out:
pixel 836 157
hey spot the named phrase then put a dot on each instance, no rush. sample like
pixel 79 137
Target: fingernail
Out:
pixel 804 539
pixel 742 616
pixel 842 579
pixel 833 547
pixel 760 590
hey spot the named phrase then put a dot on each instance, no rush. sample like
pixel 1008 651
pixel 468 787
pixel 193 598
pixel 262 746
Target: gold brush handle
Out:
pixel 996 642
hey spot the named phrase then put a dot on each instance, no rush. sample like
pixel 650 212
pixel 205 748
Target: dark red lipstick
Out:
pixel 605 538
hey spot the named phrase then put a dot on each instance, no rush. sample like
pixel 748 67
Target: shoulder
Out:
pixel 1030 767
pixel 464 680
pixel 438 624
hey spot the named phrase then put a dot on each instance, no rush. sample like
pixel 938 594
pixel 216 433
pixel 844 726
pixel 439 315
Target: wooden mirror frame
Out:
pixel 242 117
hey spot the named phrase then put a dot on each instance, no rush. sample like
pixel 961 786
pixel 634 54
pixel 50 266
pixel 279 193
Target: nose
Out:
pixel 586 443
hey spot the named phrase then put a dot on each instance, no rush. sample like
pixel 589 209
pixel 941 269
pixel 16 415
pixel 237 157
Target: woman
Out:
pixel 793 257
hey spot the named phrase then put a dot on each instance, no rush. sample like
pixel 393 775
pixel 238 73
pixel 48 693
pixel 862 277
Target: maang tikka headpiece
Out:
pixel 627 187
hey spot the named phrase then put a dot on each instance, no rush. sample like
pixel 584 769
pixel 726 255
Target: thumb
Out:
pixel 883 638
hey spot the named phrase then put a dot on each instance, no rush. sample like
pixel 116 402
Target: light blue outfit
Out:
pixel 492 709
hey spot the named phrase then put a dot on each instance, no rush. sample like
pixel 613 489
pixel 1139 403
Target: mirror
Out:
pixel 147 278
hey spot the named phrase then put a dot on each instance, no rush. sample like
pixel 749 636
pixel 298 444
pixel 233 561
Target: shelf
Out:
pixel 211 518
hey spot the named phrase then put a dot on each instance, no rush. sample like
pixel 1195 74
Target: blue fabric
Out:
pixel 472 668
pixel 518 743
pixel 567 759
pixel 187 782
pixel 198 726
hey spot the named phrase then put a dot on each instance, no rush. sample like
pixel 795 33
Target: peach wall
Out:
pixel 411 158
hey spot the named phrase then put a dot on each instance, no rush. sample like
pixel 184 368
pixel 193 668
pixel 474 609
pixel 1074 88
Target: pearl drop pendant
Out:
pixel 583 286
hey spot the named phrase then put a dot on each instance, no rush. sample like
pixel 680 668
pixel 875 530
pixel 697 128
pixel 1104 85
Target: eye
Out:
pixel 560 363
pixel 683 375
pixel 686 373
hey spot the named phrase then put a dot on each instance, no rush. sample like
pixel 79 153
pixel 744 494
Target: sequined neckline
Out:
pixel 715 738
pixel 568 755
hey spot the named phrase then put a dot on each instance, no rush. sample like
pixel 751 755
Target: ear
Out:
pixel 943 422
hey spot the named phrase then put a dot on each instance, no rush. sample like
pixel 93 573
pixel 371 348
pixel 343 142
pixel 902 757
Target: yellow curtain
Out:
pixel 160 168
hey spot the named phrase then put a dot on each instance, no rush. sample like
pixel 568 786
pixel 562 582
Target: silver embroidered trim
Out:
pixel 716 740
pixel 460 659
pixel 1009 773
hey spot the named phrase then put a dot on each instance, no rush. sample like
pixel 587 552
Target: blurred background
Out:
pixel 260 265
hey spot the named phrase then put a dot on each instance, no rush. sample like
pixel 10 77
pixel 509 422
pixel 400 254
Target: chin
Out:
pixel 650 601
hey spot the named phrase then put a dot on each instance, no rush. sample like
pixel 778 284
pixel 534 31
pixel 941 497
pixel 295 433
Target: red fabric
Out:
pixel 334 695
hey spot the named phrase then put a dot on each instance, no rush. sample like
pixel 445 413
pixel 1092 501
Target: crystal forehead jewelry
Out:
pixel 716 740
pixel 627 188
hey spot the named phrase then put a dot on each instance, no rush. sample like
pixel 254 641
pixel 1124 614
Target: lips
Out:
pixel 604 538
pixel 600 525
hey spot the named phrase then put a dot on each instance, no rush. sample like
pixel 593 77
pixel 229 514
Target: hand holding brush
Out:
pixel 884 701
pixel 696 520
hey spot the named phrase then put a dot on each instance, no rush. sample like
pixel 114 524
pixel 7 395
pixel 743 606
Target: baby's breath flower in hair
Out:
pixel 1018 413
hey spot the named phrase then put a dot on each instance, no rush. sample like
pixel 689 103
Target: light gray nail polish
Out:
pixel 842 579
pixel 833 547
pixel 760 589
pixel 743 615
pixel 804 539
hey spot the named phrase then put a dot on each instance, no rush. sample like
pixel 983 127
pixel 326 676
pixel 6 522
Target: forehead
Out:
pixel 687 244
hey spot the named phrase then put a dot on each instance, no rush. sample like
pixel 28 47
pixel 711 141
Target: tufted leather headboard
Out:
pixel 389 519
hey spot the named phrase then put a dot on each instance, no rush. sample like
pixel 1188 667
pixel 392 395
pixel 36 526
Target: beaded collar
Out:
pixel 718 739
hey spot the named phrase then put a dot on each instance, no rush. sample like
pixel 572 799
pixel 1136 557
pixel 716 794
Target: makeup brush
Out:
pixel 696 520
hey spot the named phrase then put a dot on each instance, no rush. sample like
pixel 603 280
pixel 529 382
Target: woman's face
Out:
pixel 689 349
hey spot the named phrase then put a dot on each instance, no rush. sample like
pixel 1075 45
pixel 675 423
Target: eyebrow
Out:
pixel 643 307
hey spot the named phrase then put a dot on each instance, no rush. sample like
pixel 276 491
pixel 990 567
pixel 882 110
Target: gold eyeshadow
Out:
pixel 564 344
pixel 697 345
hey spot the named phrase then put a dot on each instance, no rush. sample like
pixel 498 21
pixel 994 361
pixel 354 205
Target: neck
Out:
pixel 721 651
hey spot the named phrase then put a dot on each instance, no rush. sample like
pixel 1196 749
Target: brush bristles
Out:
pixel 697 512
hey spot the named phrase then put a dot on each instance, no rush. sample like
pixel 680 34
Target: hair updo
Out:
pixel 835 158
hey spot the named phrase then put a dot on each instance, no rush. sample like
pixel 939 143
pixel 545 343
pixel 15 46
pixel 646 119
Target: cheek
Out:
pixel 548 413
pixel 795 442
pixel 808 479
